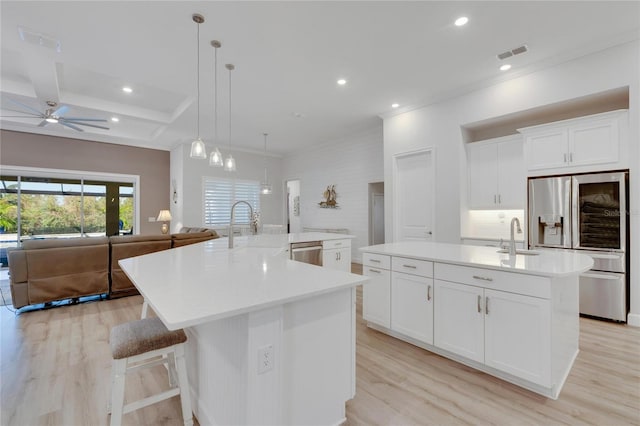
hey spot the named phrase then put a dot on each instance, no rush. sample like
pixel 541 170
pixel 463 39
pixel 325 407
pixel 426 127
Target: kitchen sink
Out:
pixel 523 252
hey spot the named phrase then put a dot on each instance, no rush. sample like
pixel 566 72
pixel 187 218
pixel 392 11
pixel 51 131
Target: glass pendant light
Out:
pixel 197 146
pixel 215 158
pixel 265 187
pixel 230 162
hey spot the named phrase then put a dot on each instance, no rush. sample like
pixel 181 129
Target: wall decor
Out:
pixel 330 196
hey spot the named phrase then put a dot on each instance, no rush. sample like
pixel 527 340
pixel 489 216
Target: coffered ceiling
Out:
pixel 288 57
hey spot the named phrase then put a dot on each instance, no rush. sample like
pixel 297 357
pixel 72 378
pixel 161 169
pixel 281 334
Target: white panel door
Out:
pixel 414 195
pixel 376 296
pixel 412 306
pixel 518 335
pixel 378 219
pixel 458 319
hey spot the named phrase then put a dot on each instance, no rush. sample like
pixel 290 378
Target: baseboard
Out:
pixel 633 320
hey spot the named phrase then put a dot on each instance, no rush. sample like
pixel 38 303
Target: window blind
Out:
pixel 220 194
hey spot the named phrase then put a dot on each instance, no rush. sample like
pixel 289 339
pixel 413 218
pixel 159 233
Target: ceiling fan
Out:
pixel 55 114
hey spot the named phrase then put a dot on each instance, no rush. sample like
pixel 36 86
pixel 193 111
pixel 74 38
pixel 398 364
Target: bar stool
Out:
pixel 141 344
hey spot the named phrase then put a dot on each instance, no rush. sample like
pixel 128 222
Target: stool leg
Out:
pixel 185 391
pixel 145 306
pixel 173 374
pixel 113 378
pixel 117 392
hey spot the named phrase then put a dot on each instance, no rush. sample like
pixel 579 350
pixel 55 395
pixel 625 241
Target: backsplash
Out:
pixel 493 224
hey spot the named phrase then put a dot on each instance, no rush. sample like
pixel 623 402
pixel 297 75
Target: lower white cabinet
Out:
pixel 376 296
pixel 412 306
pixel 336 254
pixel 458 319
pixel 505 331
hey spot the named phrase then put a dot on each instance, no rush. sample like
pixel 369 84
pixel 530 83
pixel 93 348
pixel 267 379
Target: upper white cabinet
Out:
pixel 496 174
pixel 584 141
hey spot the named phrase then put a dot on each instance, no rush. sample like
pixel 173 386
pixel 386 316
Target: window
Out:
pixel 219 196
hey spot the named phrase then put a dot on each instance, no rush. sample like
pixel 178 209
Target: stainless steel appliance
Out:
pixel 587 212
pixel 307 252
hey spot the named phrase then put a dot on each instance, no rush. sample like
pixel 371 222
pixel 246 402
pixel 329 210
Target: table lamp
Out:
pixel 164 216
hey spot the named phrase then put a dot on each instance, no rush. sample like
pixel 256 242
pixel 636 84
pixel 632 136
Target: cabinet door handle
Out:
pixel 565 157
pixel 494 198
pixel 486 305
pixel 337 244
pixel 375 271
pixel 479 301
pixel 429 293
pixel 499 199
pixel 571 157
pixel 374 260
pixel 409 266
pixel 338 256
pixel 478 277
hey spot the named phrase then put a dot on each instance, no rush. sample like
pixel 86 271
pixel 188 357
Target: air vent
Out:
pixel 516 51
pixel 34 37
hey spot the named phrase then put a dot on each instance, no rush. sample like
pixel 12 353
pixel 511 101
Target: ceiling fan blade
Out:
pixel 19 116
pixel 85 119
pixel 71 126
pixel 43 123
pixel 40 115
pixel 35 111
pixel 65 121
pixel 60 111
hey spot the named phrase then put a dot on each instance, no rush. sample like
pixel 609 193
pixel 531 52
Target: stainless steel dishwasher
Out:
pixel 307 252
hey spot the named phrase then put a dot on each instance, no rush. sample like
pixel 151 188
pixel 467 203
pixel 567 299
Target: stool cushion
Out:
pixel 145 335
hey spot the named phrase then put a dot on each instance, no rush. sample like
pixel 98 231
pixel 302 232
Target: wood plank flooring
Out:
pixel 55 364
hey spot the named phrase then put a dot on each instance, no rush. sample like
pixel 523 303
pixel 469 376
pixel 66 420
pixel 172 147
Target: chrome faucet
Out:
pixel 233 210
pixel 512 242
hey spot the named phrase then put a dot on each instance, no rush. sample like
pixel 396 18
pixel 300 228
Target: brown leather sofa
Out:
pixel 44 271
pixel 47 270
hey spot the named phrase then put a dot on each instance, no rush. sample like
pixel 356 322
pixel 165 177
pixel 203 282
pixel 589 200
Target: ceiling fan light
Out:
pixel 215 158
pixel 230 164
pixel 51 120
pixel 198 150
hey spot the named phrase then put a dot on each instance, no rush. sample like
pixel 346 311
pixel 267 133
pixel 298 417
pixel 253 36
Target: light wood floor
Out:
pixel 55 368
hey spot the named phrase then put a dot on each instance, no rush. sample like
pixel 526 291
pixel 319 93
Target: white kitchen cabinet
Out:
pixel 412 306
pixel 506 331
pixel 336 254
pixel 520 347
pixel 458 325
pixel 376 294
pixel 496 174
pixel 583 141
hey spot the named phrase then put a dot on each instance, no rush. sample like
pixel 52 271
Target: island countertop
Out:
pixel 207 281
pixel 544 263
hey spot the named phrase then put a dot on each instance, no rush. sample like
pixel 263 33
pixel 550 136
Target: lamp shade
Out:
pixel 198 149
pixel 164 216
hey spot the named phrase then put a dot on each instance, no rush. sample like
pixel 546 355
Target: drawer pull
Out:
pixel 409 266
pixel 478 277
pixel 337 244
pixel 429 293
pixel 479 307
pixel 375 270
pixel 374 260
pixel 486 305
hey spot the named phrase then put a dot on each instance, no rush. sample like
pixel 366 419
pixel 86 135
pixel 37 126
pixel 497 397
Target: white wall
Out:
pixel 439 126
pixel 188 173
pixel 350 164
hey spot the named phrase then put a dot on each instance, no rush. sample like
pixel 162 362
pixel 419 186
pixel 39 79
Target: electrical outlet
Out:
pixel 265 359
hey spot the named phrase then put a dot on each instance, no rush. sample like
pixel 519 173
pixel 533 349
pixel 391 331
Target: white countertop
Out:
pixel 548 264
pixel 203 282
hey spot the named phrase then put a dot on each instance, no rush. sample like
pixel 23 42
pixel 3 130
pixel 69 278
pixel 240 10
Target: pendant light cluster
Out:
pixel 198 149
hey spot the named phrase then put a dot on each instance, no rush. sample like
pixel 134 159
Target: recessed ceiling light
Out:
pixel 395 105
pixel 342 82
pixel 115 119
pixel 461 21
pixel 127 89
pixel 505 67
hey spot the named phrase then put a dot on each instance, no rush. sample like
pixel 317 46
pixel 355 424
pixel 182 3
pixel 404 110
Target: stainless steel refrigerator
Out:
pixel 587 213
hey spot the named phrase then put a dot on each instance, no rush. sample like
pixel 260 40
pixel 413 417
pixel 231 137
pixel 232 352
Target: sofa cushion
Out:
pixel 124 239
pixel 183 239
pixel 63 242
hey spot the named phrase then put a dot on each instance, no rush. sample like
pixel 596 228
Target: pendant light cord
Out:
pixel 230 67
pixel 265 157
pixel 215 97
pixel 198 77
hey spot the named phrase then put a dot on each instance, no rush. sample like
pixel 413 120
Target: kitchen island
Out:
pixel 514 317
pixel 270 340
